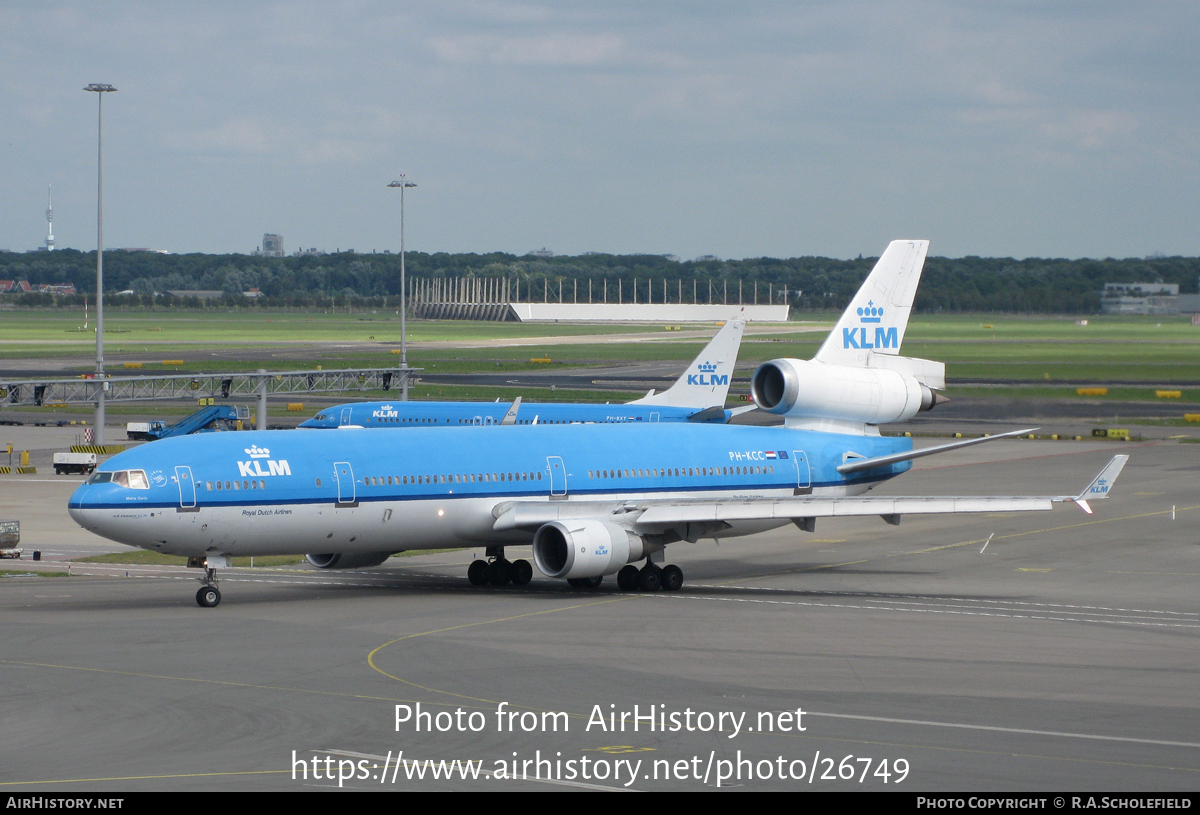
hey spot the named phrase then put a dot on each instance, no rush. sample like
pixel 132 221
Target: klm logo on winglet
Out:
pixel 706 376
pixel 385 412
pixel 860 337
pixel 253 468
pixel 1101 487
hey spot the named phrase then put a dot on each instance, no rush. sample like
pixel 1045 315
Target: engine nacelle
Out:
pixel 585 548
pixel 346 560
pixel 804 389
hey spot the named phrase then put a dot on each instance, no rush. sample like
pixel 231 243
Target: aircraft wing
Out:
pixel 692 519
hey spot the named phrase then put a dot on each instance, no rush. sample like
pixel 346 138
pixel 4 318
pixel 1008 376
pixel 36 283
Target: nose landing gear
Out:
pixel 209 595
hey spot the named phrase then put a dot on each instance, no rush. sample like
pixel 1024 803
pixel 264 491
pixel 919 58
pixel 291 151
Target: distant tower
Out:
pixel 49 219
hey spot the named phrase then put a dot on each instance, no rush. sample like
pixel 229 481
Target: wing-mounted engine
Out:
pixel 807 392
pixel 345 560
pixel 586 548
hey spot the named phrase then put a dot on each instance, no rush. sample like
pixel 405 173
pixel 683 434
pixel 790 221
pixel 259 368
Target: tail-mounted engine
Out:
pixel 801 389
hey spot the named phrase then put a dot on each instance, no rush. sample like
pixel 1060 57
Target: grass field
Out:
pixel 999 348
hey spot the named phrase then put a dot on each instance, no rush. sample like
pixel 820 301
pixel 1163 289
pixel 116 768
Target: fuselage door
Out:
pixel 803 475
pixel 558 477
pixel 345 419
pixel 343 473
pixel 187 487
pixel 654 417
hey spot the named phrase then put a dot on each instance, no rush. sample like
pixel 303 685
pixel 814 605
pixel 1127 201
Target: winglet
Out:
pixel 511 416
pixel 706 381
pixel 1100 485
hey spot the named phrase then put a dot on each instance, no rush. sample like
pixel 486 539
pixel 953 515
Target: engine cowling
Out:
pixel 346 560
pixel 585 548
pixel 804 389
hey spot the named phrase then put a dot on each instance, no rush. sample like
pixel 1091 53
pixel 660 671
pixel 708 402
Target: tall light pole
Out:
pixel 403 184
pixel 99 89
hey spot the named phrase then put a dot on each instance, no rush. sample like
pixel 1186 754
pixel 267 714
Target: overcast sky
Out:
pixel 741 129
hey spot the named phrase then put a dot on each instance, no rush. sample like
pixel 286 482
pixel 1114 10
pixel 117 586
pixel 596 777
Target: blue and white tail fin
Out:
pixel 876 318
pixel 705 383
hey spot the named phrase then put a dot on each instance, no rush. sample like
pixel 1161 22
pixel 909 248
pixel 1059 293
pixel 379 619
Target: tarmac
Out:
pixel 1005 652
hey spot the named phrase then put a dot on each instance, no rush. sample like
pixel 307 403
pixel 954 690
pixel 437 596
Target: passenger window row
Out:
pixel 453 478
pixel 680 472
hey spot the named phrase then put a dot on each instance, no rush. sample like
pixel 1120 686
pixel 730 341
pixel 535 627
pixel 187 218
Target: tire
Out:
pixel 499 572
pixel 477 573
pixel 649 579
pixel 672 578
pixel 627 578
pixel 208 597
pixel 522 572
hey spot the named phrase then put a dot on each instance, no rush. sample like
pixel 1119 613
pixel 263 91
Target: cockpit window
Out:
pixel 133 479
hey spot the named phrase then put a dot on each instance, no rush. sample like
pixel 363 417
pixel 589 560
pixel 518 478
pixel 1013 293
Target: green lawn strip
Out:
pixel 1068 392
pixel 221 326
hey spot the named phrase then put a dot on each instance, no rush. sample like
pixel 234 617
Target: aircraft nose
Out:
pixel 77 504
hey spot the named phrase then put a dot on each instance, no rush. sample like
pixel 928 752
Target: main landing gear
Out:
pixel 497 571
pixel 650 578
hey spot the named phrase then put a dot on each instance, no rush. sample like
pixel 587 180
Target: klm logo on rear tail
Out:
pixel 862 337
pixel 706 376
pixel 253 468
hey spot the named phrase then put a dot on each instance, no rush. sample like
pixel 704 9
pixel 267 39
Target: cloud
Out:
pixel 546 50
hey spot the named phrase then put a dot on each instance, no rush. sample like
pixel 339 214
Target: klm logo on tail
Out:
pixel 706 376
pixel 860 336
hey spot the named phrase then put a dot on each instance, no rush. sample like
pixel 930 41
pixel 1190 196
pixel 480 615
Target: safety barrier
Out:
pixel 98 449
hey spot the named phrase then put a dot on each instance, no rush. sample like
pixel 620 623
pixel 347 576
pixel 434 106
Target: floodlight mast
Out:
pixel 403 184
pixel 99 89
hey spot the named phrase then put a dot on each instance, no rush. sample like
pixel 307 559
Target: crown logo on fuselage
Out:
pixel 254 451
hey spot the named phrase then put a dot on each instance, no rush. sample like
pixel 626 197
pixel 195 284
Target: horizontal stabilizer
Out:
pixel 711 414
pixel 511 416
pixel 929 373
pixel 856 465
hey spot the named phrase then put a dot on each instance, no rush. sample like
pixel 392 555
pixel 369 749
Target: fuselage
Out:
pixel 371 490
pixel 462 414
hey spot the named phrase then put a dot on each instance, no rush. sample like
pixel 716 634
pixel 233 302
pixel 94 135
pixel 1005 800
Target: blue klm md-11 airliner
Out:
pixel 592 499
pixel 697 396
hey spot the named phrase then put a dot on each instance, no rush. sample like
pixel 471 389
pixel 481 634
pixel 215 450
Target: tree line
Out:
pixel 1031 285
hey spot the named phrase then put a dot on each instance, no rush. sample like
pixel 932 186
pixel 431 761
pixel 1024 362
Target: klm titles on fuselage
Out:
pixel 253 467
pixel 861 338
pixel 706 376
pixel 385 412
